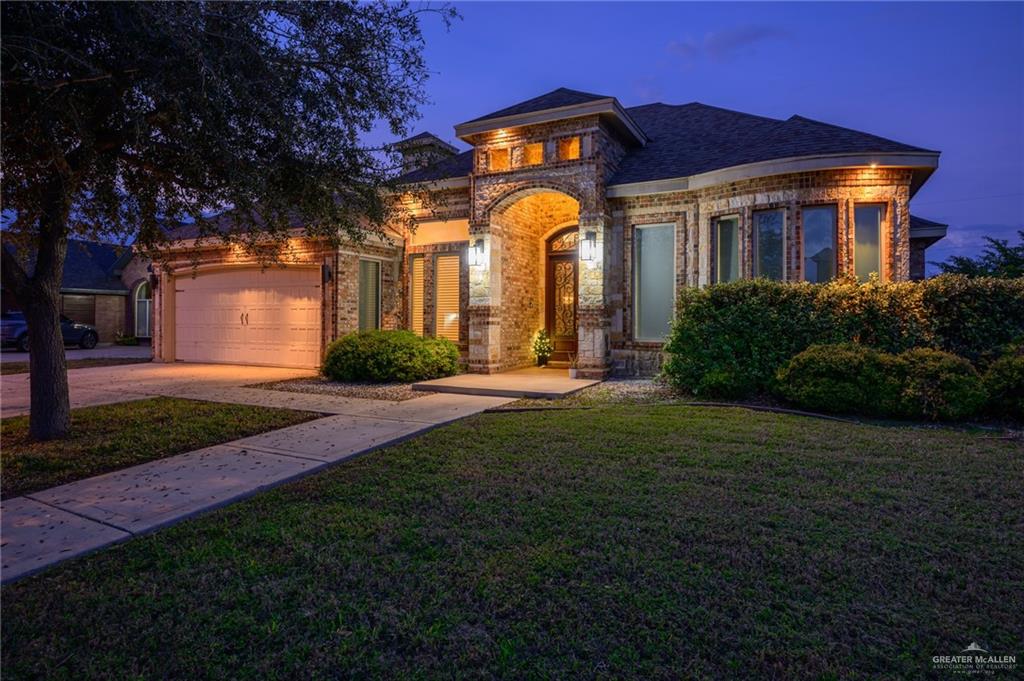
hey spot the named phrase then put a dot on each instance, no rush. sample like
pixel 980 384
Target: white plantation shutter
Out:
pixel 416 296
pixel 446 278
pixel 369 295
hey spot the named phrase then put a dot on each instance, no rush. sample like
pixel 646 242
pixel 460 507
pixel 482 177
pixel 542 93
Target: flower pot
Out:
pixel 573 373
pixel 541 361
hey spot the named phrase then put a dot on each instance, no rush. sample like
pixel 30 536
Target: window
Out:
pixel 867 237
pixel 569 149
pixel 819 243
pixel 416 295
pixel 727 249
pixel 769 239
pixel 369 295
pixel 654 248
pixel 446 296
pixel 143 305
pixel 533 154
pixel 499 160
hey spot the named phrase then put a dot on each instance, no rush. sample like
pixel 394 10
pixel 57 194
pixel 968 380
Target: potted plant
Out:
pixel 573 365
pixel 542 347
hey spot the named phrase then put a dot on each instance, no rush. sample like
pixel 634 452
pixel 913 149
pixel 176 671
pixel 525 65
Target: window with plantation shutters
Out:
pixel 369 295
pixel 446 282
pixel 416 295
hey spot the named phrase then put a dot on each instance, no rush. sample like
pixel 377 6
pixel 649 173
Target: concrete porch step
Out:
pixel 537 383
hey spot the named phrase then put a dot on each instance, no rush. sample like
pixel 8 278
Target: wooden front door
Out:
pixel 561 296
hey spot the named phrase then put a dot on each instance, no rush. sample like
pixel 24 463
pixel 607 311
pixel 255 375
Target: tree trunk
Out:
pixel 50 415
pixel 39 297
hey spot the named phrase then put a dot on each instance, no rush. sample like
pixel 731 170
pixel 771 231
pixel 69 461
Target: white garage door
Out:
pixel 249 316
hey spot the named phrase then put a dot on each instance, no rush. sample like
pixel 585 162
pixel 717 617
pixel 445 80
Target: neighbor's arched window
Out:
pixel 143 309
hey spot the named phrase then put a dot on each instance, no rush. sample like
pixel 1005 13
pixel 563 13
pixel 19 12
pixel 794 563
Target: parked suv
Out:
pixel 14 331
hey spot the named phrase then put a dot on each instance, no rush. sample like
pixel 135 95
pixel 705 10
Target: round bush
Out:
pixel 938 386
pixel 1004 383
pixel 389 357
pixel 843 378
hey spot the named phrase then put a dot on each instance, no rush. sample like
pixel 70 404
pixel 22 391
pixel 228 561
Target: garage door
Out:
pixel 249 316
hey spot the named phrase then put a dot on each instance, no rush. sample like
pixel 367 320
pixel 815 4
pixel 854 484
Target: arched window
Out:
pixel 143 308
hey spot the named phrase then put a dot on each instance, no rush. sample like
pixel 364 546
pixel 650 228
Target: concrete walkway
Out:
pixel 44 528
pixel 535 382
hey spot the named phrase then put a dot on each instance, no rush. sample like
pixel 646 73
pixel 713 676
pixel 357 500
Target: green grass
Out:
pixel 113 436
pixel 10 368
pixel 635 541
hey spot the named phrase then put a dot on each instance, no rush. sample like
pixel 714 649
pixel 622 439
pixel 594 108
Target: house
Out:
pixel 105 285
pixel 572 213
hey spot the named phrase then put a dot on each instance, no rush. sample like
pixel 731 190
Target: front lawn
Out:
pixel 113 436
pixel 634 541
pixel 10 368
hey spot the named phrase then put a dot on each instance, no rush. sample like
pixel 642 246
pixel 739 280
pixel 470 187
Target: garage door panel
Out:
pixel 248 316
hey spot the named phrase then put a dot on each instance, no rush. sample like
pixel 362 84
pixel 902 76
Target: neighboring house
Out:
pixel 575 214
pixel 105 285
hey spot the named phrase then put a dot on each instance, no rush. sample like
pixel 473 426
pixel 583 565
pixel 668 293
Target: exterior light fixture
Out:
pixel 588 247
pixel 874 165
pixel 476 253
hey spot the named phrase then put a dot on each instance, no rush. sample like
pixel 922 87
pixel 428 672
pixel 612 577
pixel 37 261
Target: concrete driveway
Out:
pixel 106 351
pixel 106 385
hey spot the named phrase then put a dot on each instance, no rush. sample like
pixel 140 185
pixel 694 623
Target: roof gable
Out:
pixel 549 100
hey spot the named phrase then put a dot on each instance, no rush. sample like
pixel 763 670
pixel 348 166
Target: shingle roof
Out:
pixel 695 138
pixel 921 223
pixel 88 265
pixel 689 139
pixel 549 100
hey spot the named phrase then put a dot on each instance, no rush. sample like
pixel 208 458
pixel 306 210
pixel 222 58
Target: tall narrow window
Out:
pixel 867 237
pixel 416 295
pixel 819 243
pixel 769 230
pixel 369 295
pixel 446 296
pixel 143 303
pixel 654 248
pixel 727 249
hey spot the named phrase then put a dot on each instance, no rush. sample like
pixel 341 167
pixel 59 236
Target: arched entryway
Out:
pixel 561 298
pixel 142 308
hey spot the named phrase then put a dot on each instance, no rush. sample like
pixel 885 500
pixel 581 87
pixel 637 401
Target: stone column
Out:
pixel 593 319
pixel 485 301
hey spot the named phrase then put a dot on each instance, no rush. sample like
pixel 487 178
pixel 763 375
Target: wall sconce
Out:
pixel 476 253
pixel 588 247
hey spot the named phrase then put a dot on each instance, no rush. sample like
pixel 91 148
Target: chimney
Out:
pixel 423 150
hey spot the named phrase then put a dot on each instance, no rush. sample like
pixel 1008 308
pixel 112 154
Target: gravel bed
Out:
pixel 392 392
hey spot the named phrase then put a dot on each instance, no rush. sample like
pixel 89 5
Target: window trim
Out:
pixel 755 244
pixel 413 257
pixel 882 240
pixel 380 293
pixel 634 265
pixel 715 245
pixel 802 207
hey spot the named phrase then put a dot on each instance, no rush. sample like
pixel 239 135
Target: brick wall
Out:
pixel 110 317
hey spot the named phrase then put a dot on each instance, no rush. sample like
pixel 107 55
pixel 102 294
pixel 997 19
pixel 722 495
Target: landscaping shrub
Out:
pixel 939 386
pixel 1004 383
pixel 389 357
pixel 844 379
pixel 730 340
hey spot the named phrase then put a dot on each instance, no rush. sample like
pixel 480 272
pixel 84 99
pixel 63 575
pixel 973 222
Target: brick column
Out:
pixel 593 319
pixel 484 310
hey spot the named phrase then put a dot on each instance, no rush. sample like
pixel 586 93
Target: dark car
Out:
pixel 14 331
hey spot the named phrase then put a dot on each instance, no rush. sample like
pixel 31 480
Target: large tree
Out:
pixel 999 259
pixel 117 117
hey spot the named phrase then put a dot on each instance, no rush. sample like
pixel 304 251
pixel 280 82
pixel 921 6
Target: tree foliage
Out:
pixel 999 259
pixel 119 117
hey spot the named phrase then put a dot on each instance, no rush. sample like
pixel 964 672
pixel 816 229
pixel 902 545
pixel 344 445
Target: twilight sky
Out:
pixel 945 76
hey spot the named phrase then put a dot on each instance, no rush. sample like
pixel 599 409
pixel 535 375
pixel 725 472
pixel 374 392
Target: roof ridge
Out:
pixel 804 119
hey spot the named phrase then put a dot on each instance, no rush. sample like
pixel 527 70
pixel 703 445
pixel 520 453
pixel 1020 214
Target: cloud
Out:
pixel 720 46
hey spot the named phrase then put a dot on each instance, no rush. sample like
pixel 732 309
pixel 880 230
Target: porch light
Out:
pixel 588 247
pixel 476 253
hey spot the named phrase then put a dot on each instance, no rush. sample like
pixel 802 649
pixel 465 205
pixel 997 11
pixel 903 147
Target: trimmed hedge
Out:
pixel 854 379
pixel 1004 382
pixel 730 340
pixel 389 357
pixel 842 379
